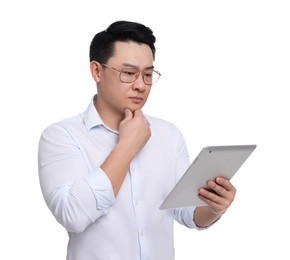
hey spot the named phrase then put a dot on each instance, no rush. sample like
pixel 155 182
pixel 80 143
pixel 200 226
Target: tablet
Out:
pixel 211 162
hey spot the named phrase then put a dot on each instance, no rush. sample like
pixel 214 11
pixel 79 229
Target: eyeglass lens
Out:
pixel 129 75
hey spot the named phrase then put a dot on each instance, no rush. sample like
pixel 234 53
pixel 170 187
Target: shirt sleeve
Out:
pixel 75 194
pixel 102 189
pixel 184 216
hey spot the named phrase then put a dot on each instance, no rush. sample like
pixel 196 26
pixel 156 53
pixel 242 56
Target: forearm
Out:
pixel 134 132
pixel 204 216
pixel 117 164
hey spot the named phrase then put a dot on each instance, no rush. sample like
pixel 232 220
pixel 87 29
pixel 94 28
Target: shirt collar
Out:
pixel 92 117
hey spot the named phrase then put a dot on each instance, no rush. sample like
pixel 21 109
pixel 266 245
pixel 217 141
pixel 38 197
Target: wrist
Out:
pixel 216 212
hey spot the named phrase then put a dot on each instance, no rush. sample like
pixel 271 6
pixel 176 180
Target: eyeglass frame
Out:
pixel 140 72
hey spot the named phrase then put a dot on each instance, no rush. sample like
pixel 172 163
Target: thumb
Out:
pixel 128 114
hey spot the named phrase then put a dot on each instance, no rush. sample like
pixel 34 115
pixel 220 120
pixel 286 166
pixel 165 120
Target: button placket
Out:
pixel 137 203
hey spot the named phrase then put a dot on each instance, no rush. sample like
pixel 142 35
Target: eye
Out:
pixel 129 72
pixel 148 73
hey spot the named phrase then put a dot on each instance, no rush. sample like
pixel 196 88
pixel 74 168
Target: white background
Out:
pixel 225 78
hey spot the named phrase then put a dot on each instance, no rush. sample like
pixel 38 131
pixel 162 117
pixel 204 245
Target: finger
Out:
pixel 226 192
pixel 128 114
pixel 216 203
pixel 226 184
pixel 211 195
pixel 214 187
pixel 138 113
pixel 215 208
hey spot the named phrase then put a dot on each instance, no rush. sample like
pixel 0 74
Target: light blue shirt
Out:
pixel 80 196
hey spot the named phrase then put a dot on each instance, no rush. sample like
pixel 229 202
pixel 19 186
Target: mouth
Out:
pixel 136 100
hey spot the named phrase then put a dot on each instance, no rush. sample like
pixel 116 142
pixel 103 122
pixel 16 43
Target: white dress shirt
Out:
pixel 80 196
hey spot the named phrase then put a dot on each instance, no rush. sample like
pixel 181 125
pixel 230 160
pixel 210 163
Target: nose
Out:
pixel 139 84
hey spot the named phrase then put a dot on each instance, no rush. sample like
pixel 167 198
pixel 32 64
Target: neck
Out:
pixel 110 118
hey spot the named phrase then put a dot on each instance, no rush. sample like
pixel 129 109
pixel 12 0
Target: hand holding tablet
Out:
pixel 212 161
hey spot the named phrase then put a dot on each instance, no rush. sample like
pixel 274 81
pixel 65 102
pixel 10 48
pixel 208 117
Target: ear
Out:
pixel 95 68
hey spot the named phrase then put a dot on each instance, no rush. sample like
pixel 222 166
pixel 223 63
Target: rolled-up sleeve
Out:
pixel 185 216
pixel 75 194
pixel 102 189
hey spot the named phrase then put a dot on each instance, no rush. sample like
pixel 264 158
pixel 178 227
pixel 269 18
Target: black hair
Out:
pixel 102 45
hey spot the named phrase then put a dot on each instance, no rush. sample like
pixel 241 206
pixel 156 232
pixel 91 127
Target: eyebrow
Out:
pixel 134 66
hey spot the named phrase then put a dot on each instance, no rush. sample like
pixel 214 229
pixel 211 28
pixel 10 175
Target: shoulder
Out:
pixel 156 121
pixel 65 125
pixel 163 126
pixel 168 135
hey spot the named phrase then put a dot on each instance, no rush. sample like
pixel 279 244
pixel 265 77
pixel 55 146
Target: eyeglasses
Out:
pixel 129 75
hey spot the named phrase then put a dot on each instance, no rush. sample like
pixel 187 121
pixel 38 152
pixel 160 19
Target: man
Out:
pixel 105 172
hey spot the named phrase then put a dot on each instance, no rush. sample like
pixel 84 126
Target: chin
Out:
pixel 135 107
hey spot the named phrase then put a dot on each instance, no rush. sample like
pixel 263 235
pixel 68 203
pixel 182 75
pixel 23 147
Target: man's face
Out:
pixel 116 95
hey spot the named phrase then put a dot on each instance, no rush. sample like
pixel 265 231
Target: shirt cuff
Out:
pixel 102 189
pixel 206 227
pixel 188 218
